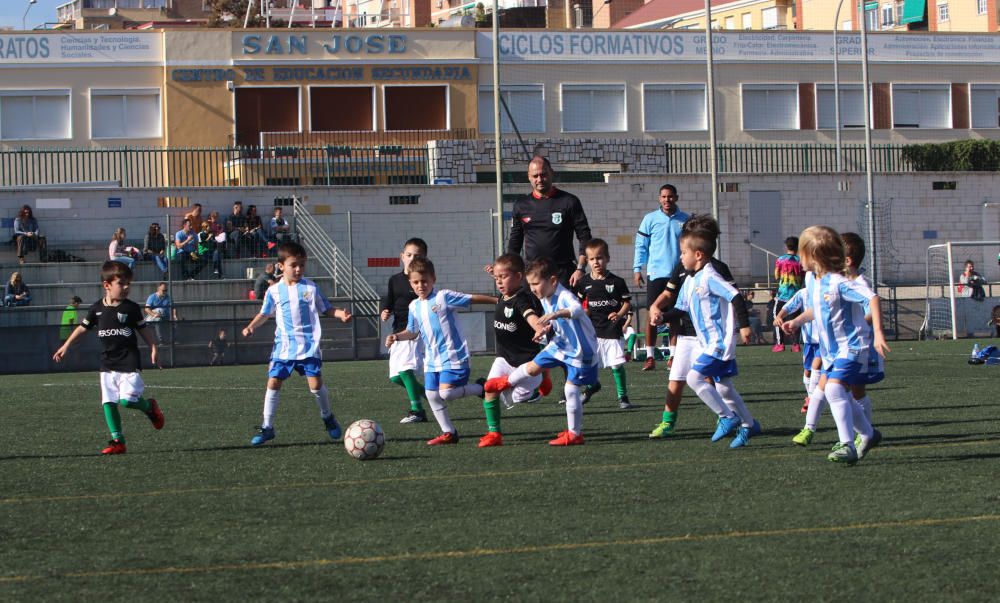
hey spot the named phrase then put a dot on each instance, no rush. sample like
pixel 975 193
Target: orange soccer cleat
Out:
pixel 567 438
pixel 545 387
pixel 155 414
pixel 496 385
pixel 493 438
pixel 116 446
pixel 445 438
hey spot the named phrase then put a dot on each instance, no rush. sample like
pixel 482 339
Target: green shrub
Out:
pixel 959 156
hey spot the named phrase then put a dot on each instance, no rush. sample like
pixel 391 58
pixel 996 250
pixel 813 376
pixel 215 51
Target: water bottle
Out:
pixel 974 356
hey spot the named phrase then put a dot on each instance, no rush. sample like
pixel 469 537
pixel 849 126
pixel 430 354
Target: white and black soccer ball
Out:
pixel 364 440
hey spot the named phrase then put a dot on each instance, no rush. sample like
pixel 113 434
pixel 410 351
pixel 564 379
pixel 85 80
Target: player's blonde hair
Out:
pixel 823 248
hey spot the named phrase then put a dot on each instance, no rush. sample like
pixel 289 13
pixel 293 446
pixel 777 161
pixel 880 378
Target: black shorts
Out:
pixel 654 287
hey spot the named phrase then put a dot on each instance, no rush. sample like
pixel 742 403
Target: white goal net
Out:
pixel 954 306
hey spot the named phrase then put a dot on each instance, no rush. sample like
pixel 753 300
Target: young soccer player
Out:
pixel 297 305
pixel 854 255
pixel 788 274
pixel 446 352
pixel 685 345
pixel 812 361
pixel 572 345
pixel 405 357
pixel 118 319
pixel 607 301
pixel 515 322
pixel 712 303
pixel 846 340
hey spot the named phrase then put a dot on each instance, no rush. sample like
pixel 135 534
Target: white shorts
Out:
pixel 686 351
pixel 611 352
pixel 121 386
pixel 406 356
pixel 523 391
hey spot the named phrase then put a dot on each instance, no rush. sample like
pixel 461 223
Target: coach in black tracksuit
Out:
pixel 544 222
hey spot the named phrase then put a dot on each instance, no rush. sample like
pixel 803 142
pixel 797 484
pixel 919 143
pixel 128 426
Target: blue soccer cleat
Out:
pixel 333 427
pixel 264 434
pixel 724 427
pixel 743 435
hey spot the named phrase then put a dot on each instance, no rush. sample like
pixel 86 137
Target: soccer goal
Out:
pixel 950 310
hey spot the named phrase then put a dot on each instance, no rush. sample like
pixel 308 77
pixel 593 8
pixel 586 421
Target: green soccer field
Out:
pixel 191 513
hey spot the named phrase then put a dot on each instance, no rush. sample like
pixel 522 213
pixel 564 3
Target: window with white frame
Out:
pixel 985 105
pixel 943 13
pixel 673 107
pixel 981 7
pixel 35 115
pixel 899 10
pixel 730 22
pixel 871 18
pixel 770 106
pixel 593 108
pixel 526 103
pixel 852 106
pixel 888 17
pixel 921 106
pixel 125 113
pixel 747 21
pixel 769 18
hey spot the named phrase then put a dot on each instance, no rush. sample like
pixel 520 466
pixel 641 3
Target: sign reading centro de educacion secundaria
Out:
pixel 328 73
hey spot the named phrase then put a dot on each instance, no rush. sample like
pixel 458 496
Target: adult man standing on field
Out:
pixel 657 248
pixel 544 223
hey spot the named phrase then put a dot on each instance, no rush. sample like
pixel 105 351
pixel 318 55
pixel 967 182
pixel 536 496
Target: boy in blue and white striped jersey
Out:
pixel 297 305
pixel 446 353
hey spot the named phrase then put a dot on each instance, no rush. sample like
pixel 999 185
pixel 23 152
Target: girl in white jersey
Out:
pixel 836 305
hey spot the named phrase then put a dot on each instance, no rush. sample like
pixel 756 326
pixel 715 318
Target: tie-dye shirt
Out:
pixel 788 272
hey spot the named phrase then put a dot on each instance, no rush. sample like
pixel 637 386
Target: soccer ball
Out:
pixel 364 440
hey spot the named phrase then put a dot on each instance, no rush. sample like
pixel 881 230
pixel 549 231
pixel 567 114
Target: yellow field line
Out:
pixel 522 550
pixel 455 476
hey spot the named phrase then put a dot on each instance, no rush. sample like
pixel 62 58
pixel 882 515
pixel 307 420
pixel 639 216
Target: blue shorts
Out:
pixel 282 369
pixel 457 378
pixel 576 375
pixel 710 366
pixel 810 351
pixel 847 371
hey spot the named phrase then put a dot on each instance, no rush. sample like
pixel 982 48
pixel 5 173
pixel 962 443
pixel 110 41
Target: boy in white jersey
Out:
pixel 405 359
pixel 836 305
pixel 297 305
pixel 446 353
pixel 572 345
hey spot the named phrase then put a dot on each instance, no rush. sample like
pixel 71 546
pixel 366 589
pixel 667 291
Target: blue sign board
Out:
pixel 114 202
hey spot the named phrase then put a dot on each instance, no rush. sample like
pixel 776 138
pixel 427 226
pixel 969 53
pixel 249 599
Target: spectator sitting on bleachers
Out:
pixel 235 225
pixel 159 309
pixel 253 237
pixel 278 229
pixel 25 232
pixel 154 247
pixel 119 251
pixel 264 280
pixel 195 216
pixel 16 293
pixel 186 244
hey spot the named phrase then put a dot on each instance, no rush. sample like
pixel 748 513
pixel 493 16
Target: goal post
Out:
pixel 945 307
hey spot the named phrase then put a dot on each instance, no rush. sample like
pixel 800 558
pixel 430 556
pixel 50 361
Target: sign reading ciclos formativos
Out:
pixel 123 47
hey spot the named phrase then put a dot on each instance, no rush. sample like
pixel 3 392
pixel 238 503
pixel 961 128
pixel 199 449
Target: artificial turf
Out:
pixel 192 513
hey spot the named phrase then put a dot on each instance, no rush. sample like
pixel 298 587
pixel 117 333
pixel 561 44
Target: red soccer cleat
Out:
pixel 115 447
pixel 155 414
pixel 650 364
pixel 445 438
pixel 805 406
pixel 496 385
pixel 493 438
pixel 545 387
pixel 567 438
pixel 796 348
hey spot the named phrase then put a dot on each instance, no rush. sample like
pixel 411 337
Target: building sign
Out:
pixel 731 46
pixel 324 73
pixel 124 47
pixel 366 45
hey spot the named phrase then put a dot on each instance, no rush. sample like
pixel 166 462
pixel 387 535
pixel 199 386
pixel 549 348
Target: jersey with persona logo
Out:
pixel 600 299
pixel 513 333
pixel 116 328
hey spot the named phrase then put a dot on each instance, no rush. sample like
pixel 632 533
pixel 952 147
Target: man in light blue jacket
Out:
pixel 657 248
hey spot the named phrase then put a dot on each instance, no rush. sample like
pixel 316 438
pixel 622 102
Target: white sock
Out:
pixel 816 402
pixel 454 393
pixel 708 394
pixel 734 401
pixel 805 382
pixel 813 381
pixel 650 350
pixel 840 407
pixel 574 408
pixel 440 411
pixel 271 399
pixel 323 401
pixel 518 376
pixel 861 424
pixel 866 404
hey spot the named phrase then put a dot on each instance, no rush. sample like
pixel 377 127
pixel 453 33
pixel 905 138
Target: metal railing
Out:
pixel 783 158
pixel 768 254
pixel 360 139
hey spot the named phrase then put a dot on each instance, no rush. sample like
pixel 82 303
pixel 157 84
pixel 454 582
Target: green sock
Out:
pixel 492 408
pixel 140 404
pixel 413 389
pixel 398 381
pixel 630 343
pixel 669 416
pixel 619 374
pixel 114 420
